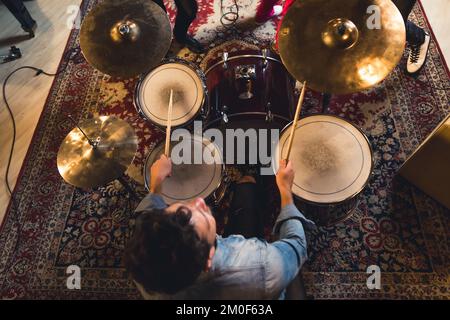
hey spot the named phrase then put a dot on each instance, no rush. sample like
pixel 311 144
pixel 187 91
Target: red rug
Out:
pixel 396 226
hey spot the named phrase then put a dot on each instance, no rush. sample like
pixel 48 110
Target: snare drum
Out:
pixel 188 83
pixel 333 162
pixel 188 180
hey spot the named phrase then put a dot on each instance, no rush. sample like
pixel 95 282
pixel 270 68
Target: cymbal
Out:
pixel 125 38
pixel 87 166
pixel 329 43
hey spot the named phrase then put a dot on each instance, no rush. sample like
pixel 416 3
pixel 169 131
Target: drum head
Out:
pixel 154 92
pixel 188 181
pixel 331 157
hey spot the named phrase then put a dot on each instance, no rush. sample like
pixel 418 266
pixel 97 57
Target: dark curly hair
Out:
pixel 165 253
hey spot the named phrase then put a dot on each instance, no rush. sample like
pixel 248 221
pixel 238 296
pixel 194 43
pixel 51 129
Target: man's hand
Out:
pixel 160 170
pixel 285 180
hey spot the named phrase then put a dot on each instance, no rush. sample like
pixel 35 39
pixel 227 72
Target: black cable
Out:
pixel 72 54
pixel 228 19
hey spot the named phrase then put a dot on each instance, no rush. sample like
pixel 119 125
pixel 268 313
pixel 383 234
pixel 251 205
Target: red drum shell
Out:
pixel 271 87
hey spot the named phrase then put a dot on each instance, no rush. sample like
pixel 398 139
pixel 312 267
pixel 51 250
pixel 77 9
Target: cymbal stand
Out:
pixel 127 187
pixel 326 98
pixel 94 145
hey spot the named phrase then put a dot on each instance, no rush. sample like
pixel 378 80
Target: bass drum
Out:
pixel 249 89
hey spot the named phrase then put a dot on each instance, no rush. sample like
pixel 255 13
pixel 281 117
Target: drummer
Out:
pixel 176 253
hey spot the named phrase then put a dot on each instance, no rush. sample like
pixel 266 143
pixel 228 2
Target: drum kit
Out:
pixel 325 43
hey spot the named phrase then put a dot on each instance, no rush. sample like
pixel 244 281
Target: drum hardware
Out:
pixel 220 110
pixel 269 115
pixel 245 74
pixel 88 162
pixel 228 59
pixel 204 113
pixel 339 43
pixel 225 60
pixel 326 98
pixel 247 94
pixel 114 37
pixel 224 115
pixel 247 116
pixel 127 187
pixel 264 54
pixel 219 194
pixel 94 144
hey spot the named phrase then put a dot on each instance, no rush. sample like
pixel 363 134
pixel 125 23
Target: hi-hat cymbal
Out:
pixel 125 38
pixel 338 47
pixel 87 166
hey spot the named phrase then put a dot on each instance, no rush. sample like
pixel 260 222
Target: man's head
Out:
pixel 171 247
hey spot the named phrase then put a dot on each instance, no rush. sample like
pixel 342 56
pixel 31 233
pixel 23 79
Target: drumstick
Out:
pixel 169 125
pixel 294 124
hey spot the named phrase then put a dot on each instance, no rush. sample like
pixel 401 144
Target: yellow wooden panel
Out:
pixel 429 166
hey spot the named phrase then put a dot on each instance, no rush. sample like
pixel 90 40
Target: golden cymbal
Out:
pixel 125 38
pixel 114 146
pixel 337 45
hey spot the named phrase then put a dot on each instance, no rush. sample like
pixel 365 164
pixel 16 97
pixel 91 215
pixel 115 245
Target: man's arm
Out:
pixel 160 170
pixel 286 256
pixel 151 201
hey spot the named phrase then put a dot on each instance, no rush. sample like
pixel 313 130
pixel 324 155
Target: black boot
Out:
pixel 192 44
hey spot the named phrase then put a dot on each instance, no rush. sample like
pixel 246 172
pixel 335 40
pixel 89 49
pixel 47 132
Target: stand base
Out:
pixel 127 187
pixel 326 98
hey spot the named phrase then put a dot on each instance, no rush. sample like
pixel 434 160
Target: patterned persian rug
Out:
pixel 395 226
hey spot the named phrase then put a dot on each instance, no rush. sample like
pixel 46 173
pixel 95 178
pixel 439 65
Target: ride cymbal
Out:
pixel 125 38
pixel 111 149
pixel 338 47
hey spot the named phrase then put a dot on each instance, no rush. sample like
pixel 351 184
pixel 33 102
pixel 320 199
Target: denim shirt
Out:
pixel 246 268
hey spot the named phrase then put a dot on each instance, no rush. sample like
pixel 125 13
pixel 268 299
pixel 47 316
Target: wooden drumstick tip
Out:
pixel 294 123
pixel 169 125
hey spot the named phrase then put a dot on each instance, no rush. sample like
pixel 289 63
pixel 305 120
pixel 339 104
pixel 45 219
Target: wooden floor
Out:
pixel 27 94
pixel 437 12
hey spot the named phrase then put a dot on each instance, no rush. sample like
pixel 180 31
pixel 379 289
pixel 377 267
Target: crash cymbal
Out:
pixel 329 43
pixel 125 38
pixel 114 146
